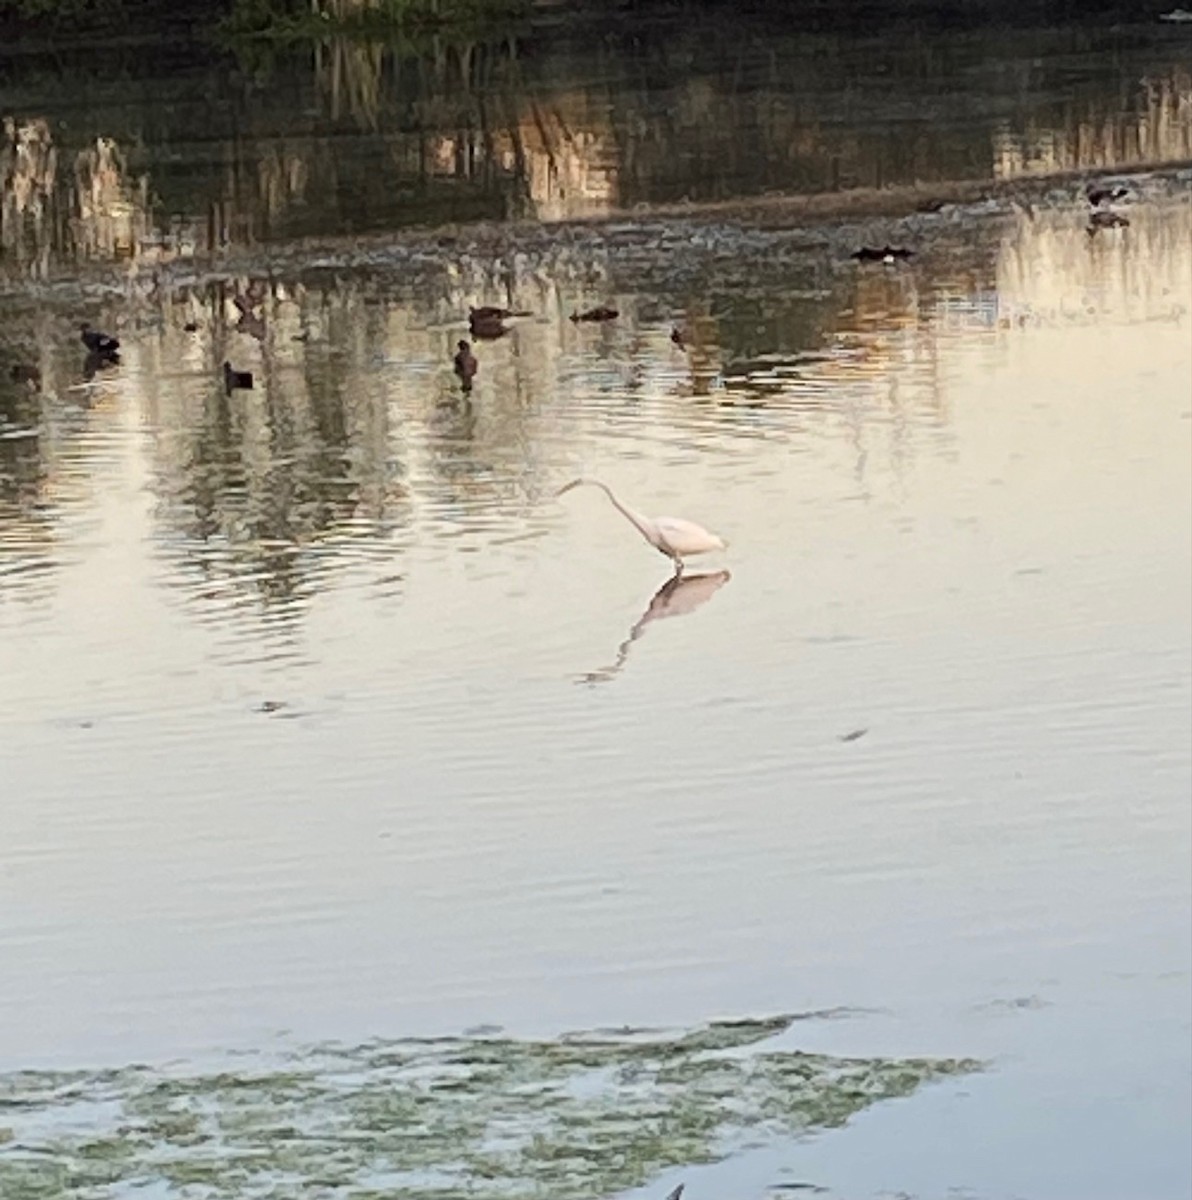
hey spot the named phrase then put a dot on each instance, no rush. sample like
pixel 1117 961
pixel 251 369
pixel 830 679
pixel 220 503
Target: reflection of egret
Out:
pixel 678 596
pixel 673 536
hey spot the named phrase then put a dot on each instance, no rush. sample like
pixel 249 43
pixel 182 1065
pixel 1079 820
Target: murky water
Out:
pixel 325 728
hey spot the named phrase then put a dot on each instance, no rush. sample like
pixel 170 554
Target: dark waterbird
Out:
pixel 1105 195
pixel 886 254
pixel 465 365
pixel 488 321
pixel 599 313
pixel 679 338
pixel 490 312
pixel 234 379
pixel 487 329
pixel 97 342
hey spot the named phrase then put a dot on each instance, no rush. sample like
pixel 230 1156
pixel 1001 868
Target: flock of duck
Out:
pixel 488 322
pixel 675 537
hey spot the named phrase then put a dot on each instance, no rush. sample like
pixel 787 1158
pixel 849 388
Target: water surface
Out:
pixel 326 728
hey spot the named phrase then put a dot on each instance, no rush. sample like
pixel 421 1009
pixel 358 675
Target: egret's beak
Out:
pixel 567 487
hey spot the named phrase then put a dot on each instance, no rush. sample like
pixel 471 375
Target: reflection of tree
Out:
pixel 112 214
pixel 353 134
pixel 26 531
pixel 355 442
pixel 97 209
pixel 263 490
pixel 1151 123
pixel 1050 270
pixel 28 173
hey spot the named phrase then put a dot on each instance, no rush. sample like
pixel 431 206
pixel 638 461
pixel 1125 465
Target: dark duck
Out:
pixel 1098 196
pixel 236 380
pixel 886 254
pixel 102 345
pixel 599 313
pixel 490 312
pixel 466 365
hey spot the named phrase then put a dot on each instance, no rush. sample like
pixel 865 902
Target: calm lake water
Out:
pixel 344 770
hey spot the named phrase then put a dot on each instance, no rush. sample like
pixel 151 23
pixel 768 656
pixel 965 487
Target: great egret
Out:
pixel 673 536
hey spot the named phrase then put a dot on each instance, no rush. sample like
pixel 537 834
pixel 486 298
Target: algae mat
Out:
pixel 584 1115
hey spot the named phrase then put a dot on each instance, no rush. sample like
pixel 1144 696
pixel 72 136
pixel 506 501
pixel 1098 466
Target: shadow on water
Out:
pixel 678 596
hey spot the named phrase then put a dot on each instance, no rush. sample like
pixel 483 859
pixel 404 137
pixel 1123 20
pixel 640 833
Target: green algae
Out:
pixel 585 1115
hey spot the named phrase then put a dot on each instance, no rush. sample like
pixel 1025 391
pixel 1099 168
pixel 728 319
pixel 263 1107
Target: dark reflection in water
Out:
pixel 347 136
pixel 678 596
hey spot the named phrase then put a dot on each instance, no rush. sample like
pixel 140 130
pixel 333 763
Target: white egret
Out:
pixel 673 536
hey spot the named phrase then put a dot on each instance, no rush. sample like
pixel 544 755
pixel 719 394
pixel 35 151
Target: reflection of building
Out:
pixel 1157 127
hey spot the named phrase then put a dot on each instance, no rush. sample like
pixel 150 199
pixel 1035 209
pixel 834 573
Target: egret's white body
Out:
pixel 673 536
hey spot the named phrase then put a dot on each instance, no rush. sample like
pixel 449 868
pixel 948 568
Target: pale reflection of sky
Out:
pixel 974 545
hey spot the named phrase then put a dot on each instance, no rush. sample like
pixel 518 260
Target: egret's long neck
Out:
pixel 636 519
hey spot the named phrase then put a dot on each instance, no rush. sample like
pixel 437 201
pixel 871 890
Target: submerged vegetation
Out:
pixel 582 1116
